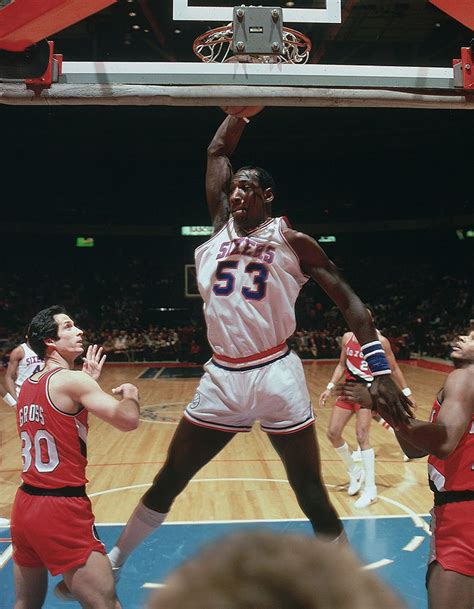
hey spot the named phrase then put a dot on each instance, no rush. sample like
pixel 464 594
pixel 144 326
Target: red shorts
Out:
pixel 452 541
pixel 342 403
pixel 53 532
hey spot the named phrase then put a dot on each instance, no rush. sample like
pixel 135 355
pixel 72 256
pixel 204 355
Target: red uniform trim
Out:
pixel 250 358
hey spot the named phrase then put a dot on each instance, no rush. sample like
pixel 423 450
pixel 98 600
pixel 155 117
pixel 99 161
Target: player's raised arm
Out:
pixel 219 168
pixel 317 265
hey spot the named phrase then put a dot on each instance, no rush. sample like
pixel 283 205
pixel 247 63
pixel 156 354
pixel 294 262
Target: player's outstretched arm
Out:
pixel 360 394
pixel 316 264
pixel 80 388
pixel 219 168
pixel 420 438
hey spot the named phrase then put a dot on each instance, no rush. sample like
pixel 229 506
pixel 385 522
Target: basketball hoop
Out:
pixel 215 46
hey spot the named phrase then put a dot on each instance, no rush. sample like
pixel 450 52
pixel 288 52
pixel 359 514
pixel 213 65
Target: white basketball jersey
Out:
pixel 249 285
pixel 29 364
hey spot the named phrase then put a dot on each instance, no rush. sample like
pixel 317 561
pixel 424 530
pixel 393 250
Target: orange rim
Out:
pixel 300 40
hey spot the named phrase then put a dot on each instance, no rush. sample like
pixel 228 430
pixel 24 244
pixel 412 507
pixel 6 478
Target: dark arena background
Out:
pixel 94 201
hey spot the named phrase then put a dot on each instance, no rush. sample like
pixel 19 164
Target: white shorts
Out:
pixel 232 400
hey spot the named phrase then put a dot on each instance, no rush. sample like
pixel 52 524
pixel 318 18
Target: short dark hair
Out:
pixel 264 178
pixel 43 326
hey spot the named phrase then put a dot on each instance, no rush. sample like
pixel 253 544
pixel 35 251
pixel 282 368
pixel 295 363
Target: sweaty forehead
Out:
pixel 245 175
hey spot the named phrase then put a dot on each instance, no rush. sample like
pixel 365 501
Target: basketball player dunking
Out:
pixel 249 275
pixel 448 439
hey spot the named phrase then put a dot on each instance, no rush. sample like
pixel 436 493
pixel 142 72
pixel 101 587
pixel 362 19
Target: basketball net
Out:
pixel 215 46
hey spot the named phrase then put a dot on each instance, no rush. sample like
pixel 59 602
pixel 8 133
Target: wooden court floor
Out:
pixel 246 480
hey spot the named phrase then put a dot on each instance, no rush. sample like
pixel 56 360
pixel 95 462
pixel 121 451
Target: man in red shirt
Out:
pixel 52 523
pixel 448 439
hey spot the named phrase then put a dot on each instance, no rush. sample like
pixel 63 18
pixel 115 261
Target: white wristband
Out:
pixel 406 391
pixel 330 386
pixel 9 399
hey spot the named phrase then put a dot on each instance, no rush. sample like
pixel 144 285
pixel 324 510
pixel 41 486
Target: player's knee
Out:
pixel 362 434
pixel 333 435
pixel 167 485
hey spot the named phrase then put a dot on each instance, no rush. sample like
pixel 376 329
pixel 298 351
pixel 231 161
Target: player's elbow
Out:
pixel 214 150
pixel 127 420
pixel 443 451
pixel 413 453
pixel 130 423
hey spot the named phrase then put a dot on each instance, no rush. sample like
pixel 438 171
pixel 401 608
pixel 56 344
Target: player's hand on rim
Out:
pixel 93 361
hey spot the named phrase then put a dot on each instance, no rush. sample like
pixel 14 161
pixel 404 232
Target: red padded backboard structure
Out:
pixel 25 22
pixel 461 10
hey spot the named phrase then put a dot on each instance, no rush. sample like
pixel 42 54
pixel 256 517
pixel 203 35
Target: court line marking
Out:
pixel 153 586
pixel 415 543
pixel 418 522
pixel 5 556
pixel 370 567
pixel 416 519
pixel 254 520
pixel 377 564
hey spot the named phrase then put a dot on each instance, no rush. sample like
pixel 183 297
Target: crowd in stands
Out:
pixel 140 314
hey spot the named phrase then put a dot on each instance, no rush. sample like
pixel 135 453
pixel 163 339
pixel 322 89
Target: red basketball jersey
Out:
pixel 356 366
pixel 455 473
pixel 53 442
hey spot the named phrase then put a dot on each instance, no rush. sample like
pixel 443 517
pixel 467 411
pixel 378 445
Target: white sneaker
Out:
pixel 62 592
pixel 356 479
pixel 356 456
pixel 368 497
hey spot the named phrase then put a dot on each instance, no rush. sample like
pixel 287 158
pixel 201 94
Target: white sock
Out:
pixel 345 455
pixel 140 525
pixel 368 461
pixel 9 399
